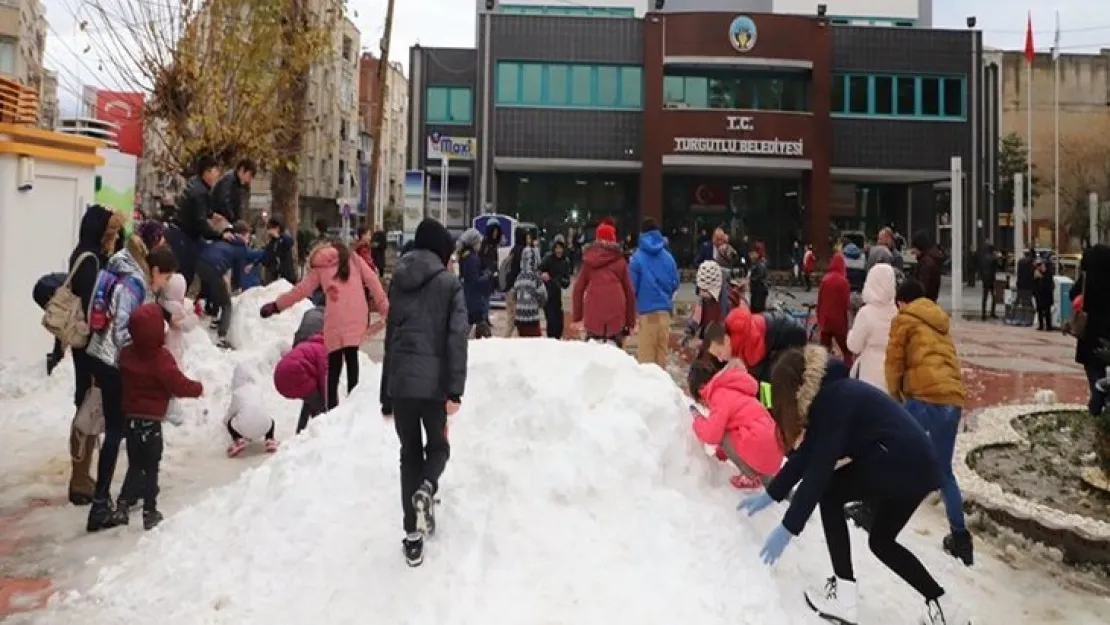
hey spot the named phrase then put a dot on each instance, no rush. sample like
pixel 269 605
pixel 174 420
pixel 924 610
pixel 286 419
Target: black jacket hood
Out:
pixel 416 268
pixel 93 225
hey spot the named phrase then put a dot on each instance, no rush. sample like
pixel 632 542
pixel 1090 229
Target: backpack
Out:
pixel 62 316
pixel 100 312
pixel 503 270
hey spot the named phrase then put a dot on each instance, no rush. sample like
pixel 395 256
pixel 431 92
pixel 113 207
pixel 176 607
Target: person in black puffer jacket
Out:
pixel 424 372
pixel 555 270
pixel 100 234
pixel 851 442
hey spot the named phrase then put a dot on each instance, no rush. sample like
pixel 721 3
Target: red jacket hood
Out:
pixel 838 265
pixel 602 253
pixel 748 334
pixel 148 328
pixel 731 379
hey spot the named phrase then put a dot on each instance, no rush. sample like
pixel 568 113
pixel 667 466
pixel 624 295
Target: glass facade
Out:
pixel 556 202
pixel 728 89
pixel 449 105
pixel 899 96
pixel 558 85
pixel 566 10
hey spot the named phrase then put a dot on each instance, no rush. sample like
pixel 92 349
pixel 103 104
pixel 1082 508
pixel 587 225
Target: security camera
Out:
pixel 971 22
pixel 822 9
pixel 25 174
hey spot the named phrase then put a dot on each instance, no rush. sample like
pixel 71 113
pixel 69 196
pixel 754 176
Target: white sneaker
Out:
pixel 944 611
pixel 837 601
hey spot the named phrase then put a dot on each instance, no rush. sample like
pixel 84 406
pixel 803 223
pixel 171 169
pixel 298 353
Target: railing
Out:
pixel 18 104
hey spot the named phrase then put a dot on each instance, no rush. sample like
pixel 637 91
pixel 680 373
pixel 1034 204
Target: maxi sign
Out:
pixel 455 148
pixel 739 147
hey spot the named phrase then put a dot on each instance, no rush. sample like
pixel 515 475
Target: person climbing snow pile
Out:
pixel 302 373
pixel 424 374
pixel 247 418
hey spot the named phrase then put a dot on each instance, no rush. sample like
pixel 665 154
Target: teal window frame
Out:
pixel 450 116
pixel 693 87
pixel 578 86
pixel 566 10
pixel 842 108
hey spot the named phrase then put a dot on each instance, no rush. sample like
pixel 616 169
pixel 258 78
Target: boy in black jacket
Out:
pixel 424 372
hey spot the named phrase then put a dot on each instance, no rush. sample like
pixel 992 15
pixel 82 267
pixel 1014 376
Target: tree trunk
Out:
pixel 284 188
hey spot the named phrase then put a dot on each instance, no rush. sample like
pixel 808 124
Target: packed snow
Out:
pixel 576 493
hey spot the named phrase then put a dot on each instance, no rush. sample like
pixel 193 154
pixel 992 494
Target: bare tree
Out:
pixel 1084 168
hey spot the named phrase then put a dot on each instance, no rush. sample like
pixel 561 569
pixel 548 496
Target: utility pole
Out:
pixel 379 115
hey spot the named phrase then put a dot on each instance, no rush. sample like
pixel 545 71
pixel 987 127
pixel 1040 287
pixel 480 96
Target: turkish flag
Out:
pixel 1029 38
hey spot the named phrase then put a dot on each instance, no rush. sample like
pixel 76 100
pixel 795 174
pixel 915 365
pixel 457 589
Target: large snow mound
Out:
pixel 575 494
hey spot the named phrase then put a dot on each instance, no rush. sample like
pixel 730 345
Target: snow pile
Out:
pixel 575 494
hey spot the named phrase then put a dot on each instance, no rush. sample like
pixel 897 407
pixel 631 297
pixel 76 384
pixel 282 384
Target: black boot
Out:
pixel 959 546
pixel 122 515
pixel 79 499
pixel 52 361
pixel 101 516
pixel 151 519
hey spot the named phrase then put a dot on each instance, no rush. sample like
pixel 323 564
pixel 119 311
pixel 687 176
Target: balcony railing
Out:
pixel 18 104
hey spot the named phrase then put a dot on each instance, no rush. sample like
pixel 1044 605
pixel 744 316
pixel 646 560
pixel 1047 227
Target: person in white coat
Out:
pixel 247 418
pixel 868 337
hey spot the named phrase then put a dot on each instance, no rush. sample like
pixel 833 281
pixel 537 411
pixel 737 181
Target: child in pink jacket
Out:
pixel 172 300
pixel 741 426
pixel 302 373
pixel 345 280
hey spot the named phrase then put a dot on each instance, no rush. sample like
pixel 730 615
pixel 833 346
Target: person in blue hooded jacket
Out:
pixel 654 281
pixel 852 443
pixel 215 261
pixel 475 277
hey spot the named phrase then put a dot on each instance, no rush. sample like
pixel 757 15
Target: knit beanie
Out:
pixel 606 233
pixel 709 278
pixel 151 232
pixel 434 237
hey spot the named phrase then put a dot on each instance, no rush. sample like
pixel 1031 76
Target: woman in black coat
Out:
pixel 851 443
pixel 1094 285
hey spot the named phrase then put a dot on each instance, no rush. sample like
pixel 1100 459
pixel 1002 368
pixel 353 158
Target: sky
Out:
pixel 1084 26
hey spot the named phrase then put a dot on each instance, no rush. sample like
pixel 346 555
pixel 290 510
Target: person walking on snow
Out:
pixel 602 301
pixel 555 270
pixel 424 373
pixel 344 278
pixel 654 280
pixel 151 378
pixel 834 297
pixel 884 459
pixel 867 339
pixel 923 370
pixel 475 279
pixel 530 292
pixel 247 418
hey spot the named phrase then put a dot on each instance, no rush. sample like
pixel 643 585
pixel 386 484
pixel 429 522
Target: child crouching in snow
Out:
pixel 737 423
pixel 312 323
pixel 247 419
pixel 303 374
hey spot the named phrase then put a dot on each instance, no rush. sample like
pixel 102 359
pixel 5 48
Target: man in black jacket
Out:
pixel 423 372
pixel 989 262
pixel 227 194
pixel 277 258
pixel 190 227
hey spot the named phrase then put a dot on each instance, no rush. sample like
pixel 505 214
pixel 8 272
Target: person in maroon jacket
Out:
pixel 833 300
pixel 150 379
pixel 603 299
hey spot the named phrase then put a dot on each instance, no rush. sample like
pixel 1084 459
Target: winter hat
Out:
pixel 470 239
pixel 606 232
pixel 151 232
pixel 558 240
pixel 709 278
pixel 433 237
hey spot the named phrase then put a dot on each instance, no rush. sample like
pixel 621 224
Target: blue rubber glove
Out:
pixel 775 544
pixel 755 503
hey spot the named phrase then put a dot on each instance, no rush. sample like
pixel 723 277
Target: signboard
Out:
pixel 414 202
pixel 454 148
pixel 791 148
pixel 742 33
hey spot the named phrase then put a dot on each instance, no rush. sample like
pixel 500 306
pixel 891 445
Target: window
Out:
pixel 885 95
pixel 7 55
pixel 566 10
pixel 740 90
pixel 449 105
pixel 574 86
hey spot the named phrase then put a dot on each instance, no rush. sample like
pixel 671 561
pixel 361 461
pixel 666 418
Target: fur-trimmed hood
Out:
pixel 821 369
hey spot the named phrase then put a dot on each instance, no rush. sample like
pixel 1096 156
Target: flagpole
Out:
pixel 1056 121
pixel 1029 159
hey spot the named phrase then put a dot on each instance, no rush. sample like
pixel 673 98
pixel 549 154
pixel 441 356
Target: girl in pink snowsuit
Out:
pixel 347 282
pixel 172 300
pixel 741 427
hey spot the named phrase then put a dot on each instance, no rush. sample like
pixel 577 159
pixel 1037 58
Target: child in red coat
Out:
pixel 833 300
pixel 303 374
pixel 150 379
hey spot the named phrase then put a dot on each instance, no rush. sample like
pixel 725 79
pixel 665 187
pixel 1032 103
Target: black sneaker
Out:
pixel 101 516
pixel 151 519
pixel 959 546
pixel 52 361
pixel 414 550
pixel 122 514
pixel 425 503
pixel 223 344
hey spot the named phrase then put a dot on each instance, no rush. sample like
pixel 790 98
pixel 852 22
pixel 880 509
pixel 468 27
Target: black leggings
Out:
pixel 890 515
pixel 335 365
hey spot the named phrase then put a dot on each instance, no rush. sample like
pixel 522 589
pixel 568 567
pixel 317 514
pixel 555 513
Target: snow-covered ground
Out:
pixel 575 494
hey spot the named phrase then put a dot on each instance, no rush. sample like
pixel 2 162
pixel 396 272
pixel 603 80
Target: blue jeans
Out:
pixel 942 423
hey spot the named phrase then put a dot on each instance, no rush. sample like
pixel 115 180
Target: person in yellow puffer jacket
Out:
pixel 923 370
